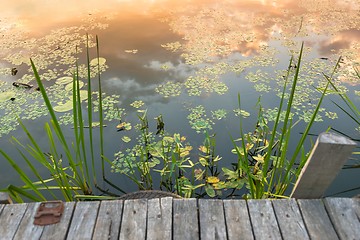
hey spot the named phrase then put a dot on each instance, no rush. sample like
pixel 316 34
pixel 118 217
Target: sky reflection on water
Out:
pixel 211 49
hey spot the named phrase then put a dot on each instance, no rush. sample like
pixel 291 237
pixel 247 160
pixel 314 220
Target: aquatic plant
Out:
pixel 263 159
pixel 156 154
pixel 353 113
pixel 71 170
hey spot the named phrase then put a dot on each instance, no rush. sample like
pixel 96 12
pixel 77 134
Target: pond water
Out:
pixel 185 60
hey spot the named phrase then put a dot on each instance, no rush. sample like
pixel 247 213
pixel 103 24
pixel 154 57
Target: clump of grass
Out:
pixel 353 112
pixel 71 171
pixel 263 158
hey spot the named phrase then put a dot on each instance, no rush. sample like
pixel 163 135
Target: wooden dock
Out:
pixel 168 218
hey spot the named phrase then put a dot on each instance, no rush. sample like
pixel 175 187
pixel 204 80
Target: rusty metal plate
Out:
pixel 49 213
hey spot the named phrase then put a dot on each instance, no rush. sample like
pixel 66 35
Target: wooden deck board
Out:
pixel 346 221
pixel 237 220
pixel 108 221
pixel 185 219
pixel 26 227
pixel 58 231
pixel 316 219
pixel 133 225
pixel 10 219
pixel 159 218
pixel 263 219
pixel 289 219
pixel 83 221
pixel 167 218
pixel 212 219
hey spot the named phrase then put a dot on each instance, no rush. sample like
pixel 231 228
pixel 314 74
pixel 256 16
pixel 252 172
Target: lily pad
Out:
pixel 83 95
pixel 64 80
pixel 69 86
pixel 94 61
pixel 6 96
pixel 126 139
pixel 124 126
pixel 64 107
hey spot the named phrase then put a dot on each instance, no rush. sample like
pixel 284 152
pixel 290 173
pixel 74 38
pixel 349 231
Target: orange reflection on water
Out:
pixel 208 27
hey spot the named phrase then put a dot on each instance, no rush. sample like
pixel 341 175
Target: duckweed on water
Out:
pixel 203 84
pixel 210 49
pixel 55 55
pixel 198 119
pixel 219 114
pixel 169 89
pixel 331 115
pixel 137 104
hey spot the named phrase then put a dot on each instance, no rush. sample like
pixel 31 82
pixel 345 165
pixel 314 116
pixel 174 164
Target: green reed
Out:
pixel 70 174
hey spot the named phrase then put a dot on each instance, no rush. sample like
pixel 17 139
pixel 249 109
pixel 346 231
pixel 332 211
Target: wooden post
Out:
pixel 329 154
pixel 5 198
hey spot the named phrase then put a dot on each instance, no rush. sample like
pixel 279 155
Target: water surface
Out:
pixel 176 58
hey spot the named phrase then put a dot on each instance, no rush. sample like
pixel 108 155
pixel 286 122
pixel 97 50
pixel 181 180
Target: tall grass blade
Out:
pixel 23 176
pixel 101 118
pixel 82 143
pixel 287 178
pixel 56 125
pixel 15 193
pixel 90 107
pixel 274 132
pixel 243 164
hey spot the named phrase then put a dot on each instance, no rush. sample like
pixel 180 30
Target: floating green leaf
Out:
pixel 210 190
pixel 240 112
pixel 64 107
pixel 64 80
pixel 69 86
pixel 94 61
pixel 4 96
pixel 126 139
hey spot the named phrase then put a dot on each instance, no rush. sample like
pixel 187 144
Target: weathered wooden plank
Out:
pixel 328 156
pixel 289 218
pixel 58 231
pixel 237 220
pixel 11 216
pixel 316 219
pixel 185 219
pixel 83 221
pixel 5 198
pixel 133 224
pixel 357 206
pixel 263 219
pixel 108 220
pixel 212 219
pixel 27 227
pixel 159 217
pixel 344 217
